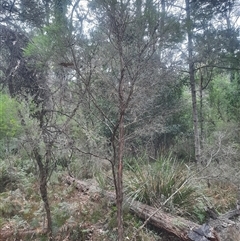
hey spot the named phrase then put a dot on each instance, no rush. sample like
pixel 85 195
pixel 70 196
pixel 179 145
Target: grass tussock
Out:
pixel 166 182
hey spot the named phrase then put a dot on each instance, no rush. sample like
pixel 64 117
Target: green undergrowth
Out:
pixel 166 184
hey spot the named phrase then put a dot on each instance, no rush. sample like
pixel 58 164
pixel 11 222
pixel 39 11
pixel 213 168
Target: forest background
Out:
pixel 142 96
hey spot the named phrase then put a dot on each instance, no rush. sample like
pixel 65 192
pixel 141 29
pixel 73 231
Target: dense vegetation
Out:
pixel 141 96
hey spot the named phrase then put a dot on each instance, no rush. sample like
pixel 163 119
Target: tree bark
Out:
pixel 201 135
pixel 119 190
pixel 120 147
pixel 43 190
pixel 178 226
pixel 191 70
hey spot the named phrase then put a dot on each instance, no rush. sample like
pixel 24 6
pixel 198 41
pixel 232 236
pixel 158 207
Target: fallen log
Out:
pixel 182 228
pixel 178 226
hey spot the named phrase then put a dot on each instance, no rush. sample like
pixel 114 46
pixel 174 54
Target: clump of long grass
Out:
pixel 165 182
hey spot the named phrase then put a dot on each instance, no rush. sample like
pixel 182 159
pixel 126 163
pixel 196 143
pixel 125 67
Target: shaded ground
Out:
pixel 76 216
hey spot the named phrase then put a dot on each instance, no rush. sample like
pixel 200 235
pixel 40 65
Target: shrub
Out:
pixel 8 178
pixel 8 207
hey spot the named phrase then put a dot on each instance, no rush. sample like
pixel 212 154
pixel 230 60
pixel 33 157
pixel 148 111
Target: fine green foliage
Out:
pixel 47 45
pixel 5 179
pixel 9 207
pixel 166 178
pixel 8 177
pixel 224 101
pixel 61 213
pixel 200 213
pixel 9 121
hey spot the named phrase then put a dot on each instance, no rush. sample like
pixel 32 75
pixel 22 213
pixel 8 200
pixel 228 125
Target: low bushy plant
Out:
pixel 8 177
pixel 164 182
pixel 8 207
pixel 61 213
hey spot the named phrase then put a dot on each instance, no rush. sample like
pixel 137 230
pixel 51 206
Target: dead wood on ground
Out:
pixel 184 229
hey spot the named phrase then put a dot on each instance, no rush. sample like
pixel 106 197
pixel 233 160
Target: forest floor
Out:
pixel 85 216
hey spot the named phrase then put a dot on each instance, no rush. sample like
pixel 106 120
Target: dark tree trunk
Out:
pixel 120 181
pixel 122 106
pixel 43 176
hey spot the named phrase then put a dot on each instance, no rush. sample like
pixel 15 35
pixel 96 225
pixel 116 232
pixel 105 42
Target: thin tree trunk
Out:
pixel 120 148
pixel 231 45
pixel 201 110
pixel 119 180
pixel 162 20
pixel 43 190
pixel 192 83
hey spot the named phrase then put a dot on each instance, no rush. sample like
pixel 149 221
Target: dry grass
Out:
pixel 76 216
pixel 223 195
